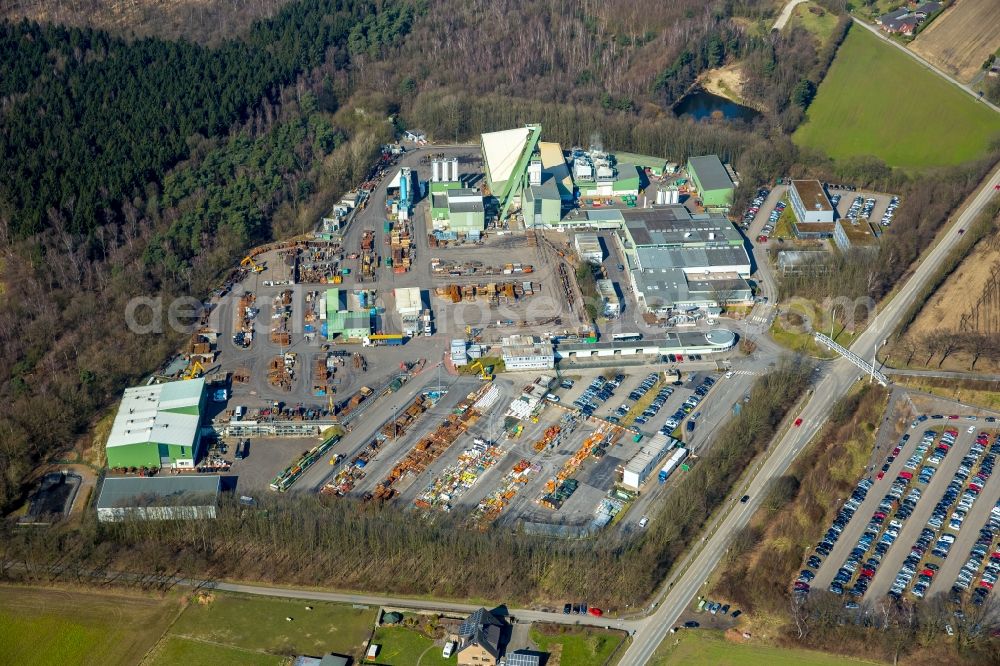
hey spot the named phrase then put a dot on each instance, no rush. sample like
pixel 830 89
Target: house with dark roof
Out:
pixel 904 21
pixel 481 639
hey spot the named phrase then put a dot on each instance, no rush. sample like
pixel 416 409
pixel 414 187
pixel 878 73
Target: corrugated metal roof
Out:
pixel 501 151
pixel 188 490
pixel 710 172
pixel 165 413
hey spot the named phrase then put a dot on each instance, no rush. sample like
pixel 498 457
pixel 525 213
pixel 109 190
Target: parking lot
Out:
pixel 912 531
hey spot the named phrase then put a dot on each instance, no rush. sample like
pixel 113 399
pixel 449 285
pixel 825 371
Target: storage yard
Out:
pixel 326 359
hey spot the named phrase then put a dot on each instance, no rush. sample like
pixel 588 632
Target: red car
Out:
pixel 880 475
pixel 680 358
pixel 762 239
pixel 896 451
pixel 953 417
pixel 928 572
pixel 798 422
pixel 596 612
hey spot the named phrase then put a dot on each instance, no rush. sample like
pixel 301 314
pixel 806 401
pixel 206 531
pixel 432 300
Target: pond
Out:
pixel 700 105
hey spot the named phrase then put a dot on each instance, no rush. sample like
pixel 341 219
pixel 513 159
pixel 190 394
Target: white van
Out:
pixel 449 647
pixel 239 412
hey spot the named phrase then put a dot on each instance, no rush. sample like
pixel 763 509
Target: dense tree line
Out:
pixel 203 21
pixel 310 539
pixel 88 118
pixel 621 54
pixel 782 72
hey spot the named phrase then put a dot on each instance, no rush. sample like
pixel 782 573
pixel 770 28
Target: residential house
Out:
pixel 480 639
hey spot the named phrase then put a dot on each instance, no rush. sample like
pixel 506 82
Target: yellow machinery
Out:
pixel 194 370
pixel 483 374
pixel 254 266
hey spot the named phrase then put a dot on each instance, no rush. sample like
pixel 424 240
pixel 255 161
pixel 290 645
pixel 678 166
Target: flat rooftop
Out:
pixel 675 225
pixel 159 490
pixel 692 258
pixel 711 174
pixel 860 234
pixel 813 195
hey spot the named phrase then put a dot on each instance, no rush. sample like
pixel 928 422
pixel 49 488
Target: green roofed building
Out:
pixel 343 323
pixel 656 165
pixel 710 178
pixel 158 426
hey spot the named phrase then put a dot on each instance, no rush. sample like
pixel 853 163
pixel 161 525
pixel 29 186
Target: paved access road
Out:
pixel 522 615
pixel 786 14
pixel 694 570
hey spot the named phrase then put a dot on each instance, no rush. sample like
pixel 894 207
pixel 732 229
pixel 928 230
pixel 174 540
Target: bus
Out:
pixel 626 337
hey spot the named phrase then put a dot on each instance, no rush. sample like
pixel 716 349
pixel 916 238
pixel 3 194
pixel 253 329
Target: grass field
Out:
pixel 961 39
pixel 876 100
pixel 709 648
pixel 175 650
pixel 820 24
pixel 47 626
pixel 258 624
pixel 577 647
pixel 401 646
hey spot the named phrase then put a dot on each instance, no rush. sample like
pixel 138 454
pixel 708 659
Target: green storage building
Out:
pixel 158 426
pixel 542 204
pixel 710 178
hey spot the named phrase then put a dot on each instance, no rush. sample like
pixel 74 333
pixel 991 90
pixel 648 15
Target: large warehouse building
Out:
pixel 682 261
pixel 158 498
pixel 158 426
pixel 711 179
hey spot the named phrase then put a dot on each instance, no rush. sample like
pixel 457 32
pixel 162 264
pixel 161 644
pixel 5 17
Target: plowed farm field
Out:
pixel 961 39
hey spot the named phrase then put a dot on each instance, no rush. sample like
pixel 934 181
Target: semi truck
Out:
pixel 674 461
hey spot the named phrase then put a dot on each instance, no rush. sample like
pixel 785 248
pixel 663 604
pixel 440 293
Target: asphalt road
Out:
pixel 522 615
pixel 694 570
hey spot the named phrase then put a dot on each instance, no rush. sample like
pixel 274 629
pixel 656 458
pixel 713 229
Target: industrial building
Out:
pixel 809 202
pixel 506 155
pixel 526 352
pixel 401 194
pixel 459 353
pixel 158 498
pixel 657 166
pixel 343 323
pixel 540 201
pixel 612 304
pixel 685 342
pixel 642 465
pixel 158 426
pixel 854 235
pixel 454 206
pixel 712 181
pixel 588 246
pixel 554 167
pixel 682 260
pixel 667 290
pixel 600 175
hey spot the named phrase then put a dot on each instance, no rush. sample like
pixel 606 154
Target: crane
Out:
pixel 254 266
